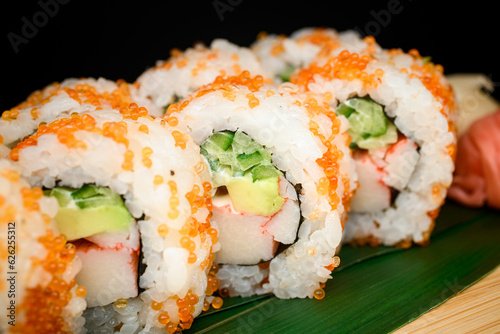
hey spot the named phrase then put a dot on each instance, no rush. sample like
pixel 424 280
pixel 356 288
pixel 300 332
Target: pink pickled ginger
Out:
pixel 477 173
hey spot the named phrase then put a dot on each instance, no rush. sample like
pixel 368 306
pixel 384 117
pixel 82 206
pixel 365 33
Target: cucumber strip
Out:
pixel 218 142
pixel 287 72
pixel 247 161
pixel 90 196
pixel 243 144
pixel 238 152
pixel 263 172
pixel 86 191
pixel 62 194
pixel 390 137
pixel 368 124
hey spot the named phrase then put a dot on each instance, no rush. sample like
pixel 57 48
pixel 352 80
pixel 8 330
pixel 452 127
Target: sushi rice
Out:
pixel 282 55
pixel 164 182
pixel 37 262
pixel 162 146
pixel 70 96
pixel 403 183
pixel 185 71
pixel 308 144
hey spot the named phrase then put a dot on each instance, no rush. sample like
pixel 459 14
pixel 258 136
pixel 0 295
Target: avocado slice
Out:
pixel 247 161
pixel 89 210
pixel 245 168
pixel 264 172
pixel 260 197
pixel 219 142
pixel 368 124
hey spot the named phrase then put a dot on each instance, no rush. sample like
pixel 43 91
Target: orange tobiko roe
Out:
pixel 43 305
pixel 223 84
pixel 119 99
pixel 65 128
pixel 352 66
pixel 345 66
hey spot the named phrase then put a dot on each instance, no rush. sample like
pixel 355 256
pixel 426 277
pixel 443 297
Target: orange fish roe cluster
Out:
pixel 43 305
pixel 244 79
pixel 118 99
pixel 199 167
pixel 35 98
pixel 116 131
pixel 452 150
pixel 158 179
pixel 133 111
pixel 212 281
pixel 180 139
pixel 213 284
pixel 278 47
pixel 146 156
pixel 347 196
pixel 85 93
pixel 198 199
pixel 10 174
pixel 64 128
pixel 186 309
pixel 319 294
pixel 335 263
pixel 8 213
pixel 431 76
pixel 173 212
pixel 327 185
pixel 162 230
pixel 345 66
pixel 321 38
pixel 9 115
pixel 192 227
pixel 226 86
pixel 370 48
pixel 179 59
pixel 128 158
pixel 31 197
pixel 172 121
pixel 201 65
pixel 252 100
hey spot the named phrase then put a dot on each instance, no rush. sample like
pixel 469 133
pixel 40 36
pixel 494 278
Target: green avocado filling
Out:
pixel 368 126
pixel 244 167
pixel 89 210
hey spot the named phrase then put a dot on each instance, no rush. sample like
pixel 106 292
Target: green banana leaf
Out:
pixel 376 290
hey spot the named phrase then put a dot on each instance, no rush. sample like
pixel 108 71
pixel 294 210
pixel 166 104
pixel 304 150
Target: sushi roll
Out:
pixel 185 71
pixel 65 98
pixel 282 55
pixel 283 177
pixel 134 197
pixel 401 112
pixel 38 293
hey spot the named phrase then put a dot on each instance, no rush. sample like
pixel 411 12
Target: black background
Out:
pixel 120 39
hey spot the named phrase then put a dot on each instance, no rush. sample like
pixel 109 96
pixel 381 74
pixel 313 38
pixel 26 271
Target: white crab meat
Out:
pixel 372 194
pixel 110 264
pixel 243 237
pixel 401 159
pixel 250 239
